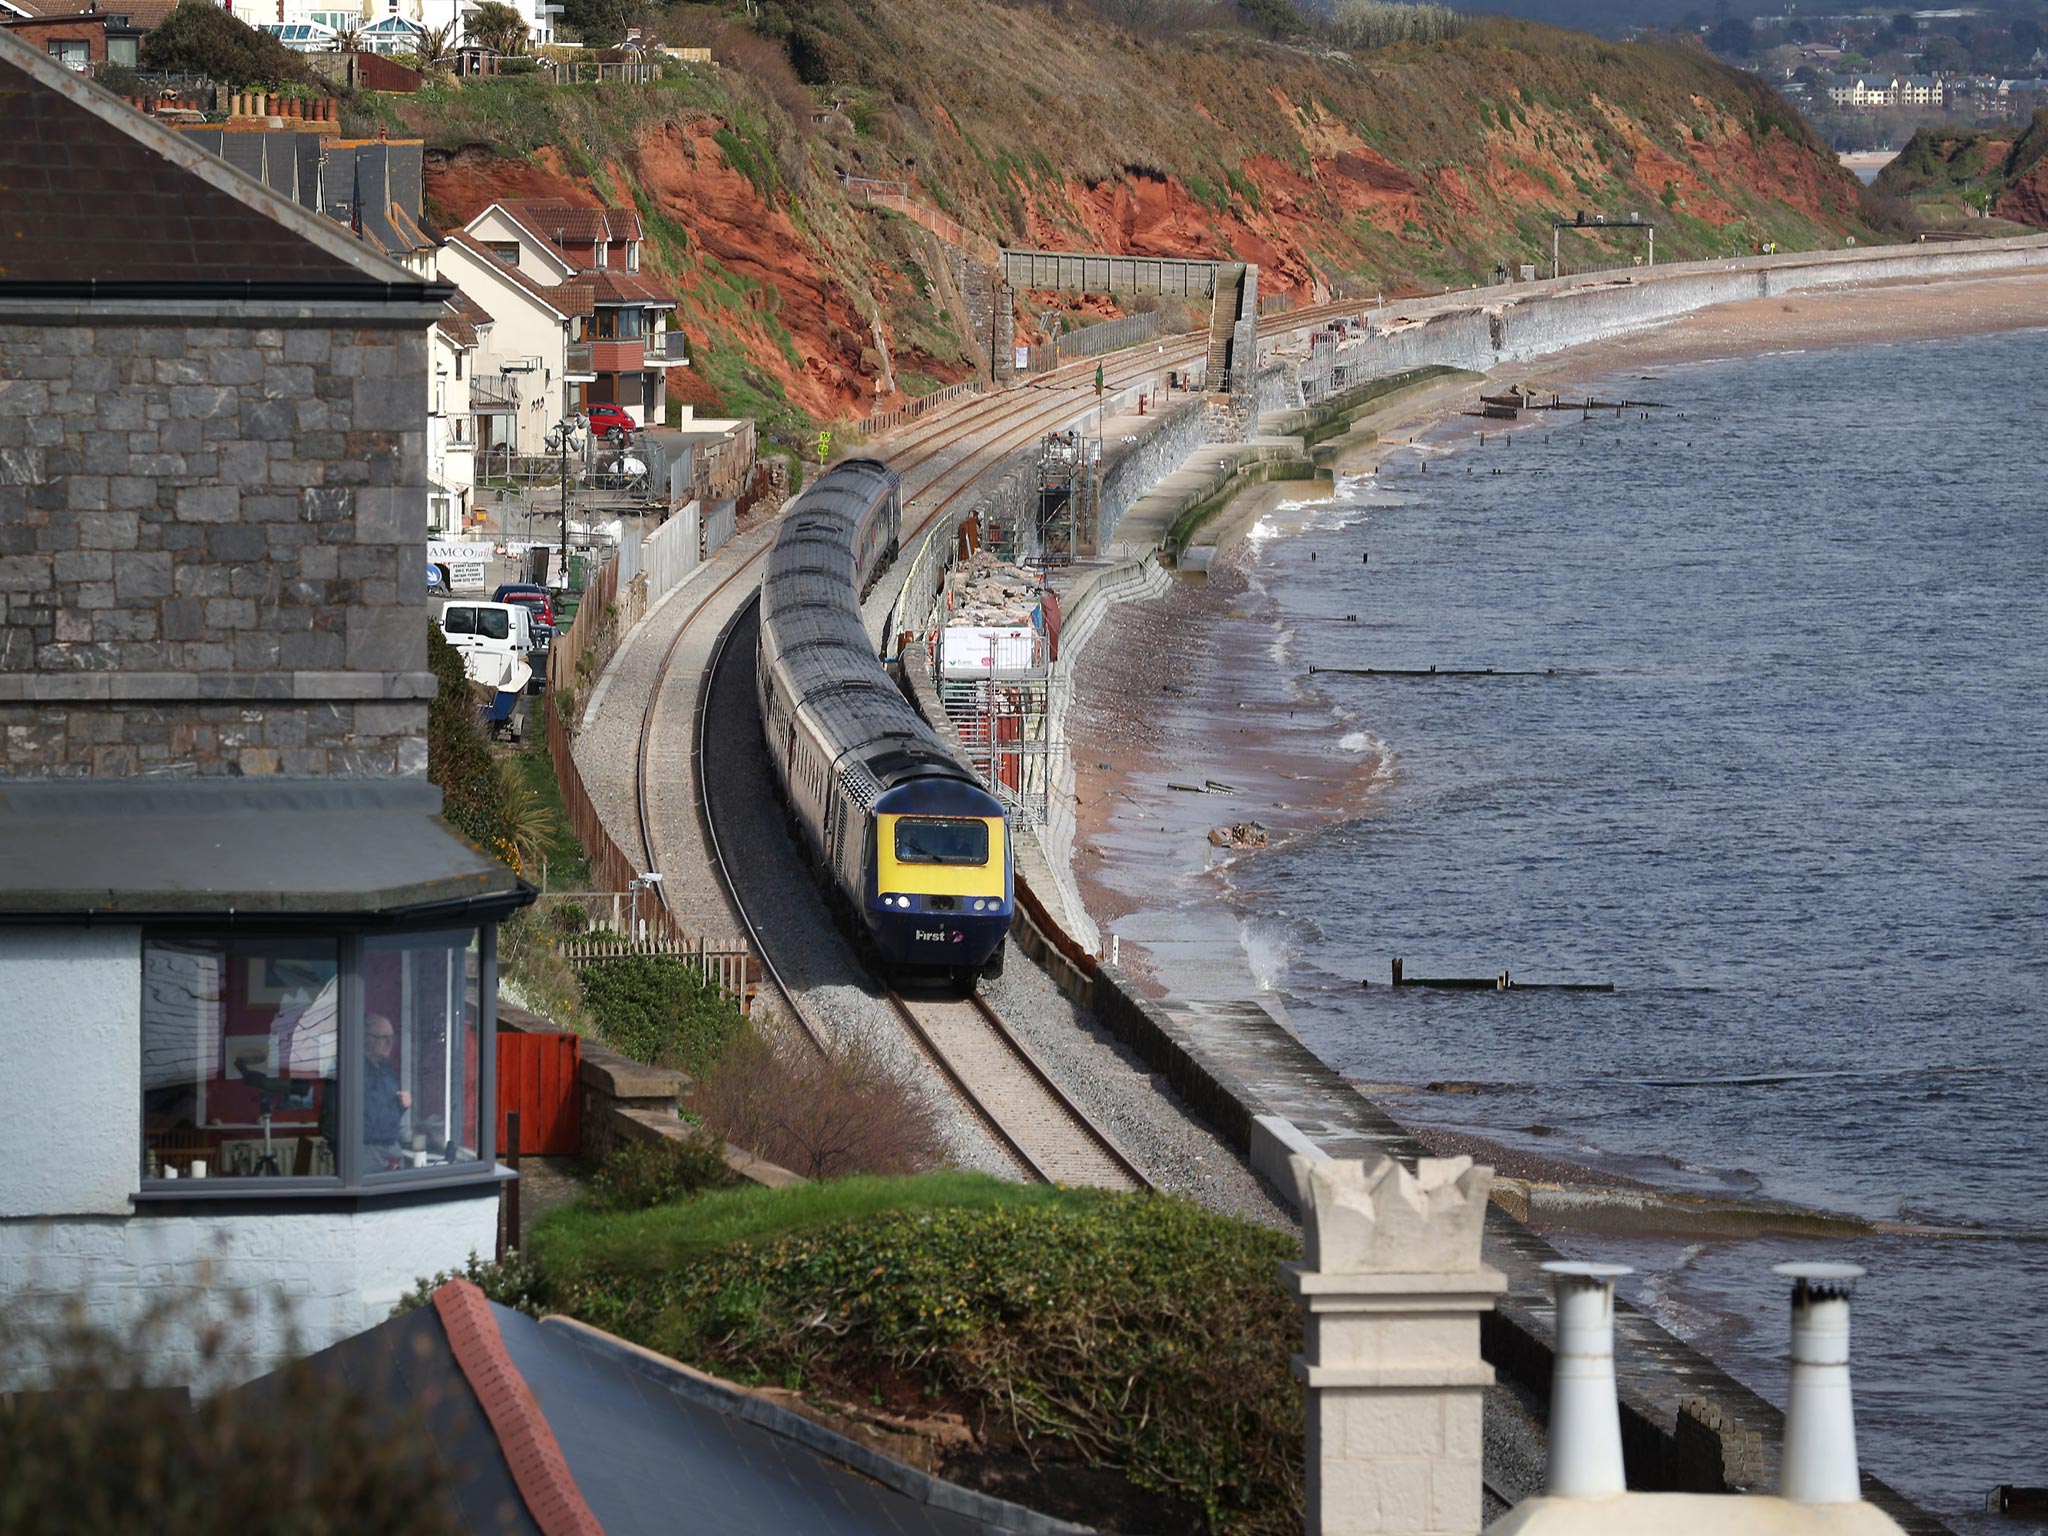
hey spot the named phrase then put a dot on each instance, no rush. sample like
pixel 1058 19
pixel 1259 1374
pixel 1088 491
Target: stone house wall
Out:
pixel 211 536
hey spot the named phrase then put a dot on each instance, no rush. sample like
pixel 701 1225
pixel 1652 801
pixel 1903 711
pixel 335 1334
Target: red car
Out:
pixel 609 421
pixel 527 595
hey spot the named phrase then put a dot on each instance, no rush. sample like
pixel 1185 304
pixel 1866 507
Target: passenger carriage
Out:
pixel 915 847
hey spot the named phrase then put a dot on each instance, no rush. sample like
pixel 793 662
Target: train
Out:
pixel 915 849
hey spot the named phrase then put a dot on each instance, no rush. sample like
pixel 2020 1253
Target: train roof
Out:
pixel 810 620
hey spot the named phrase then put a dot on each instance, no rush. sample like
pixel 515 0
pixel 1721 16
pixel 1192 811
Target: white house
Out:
pixel 377 19
pixel 452 415
pixel 536 349
pixel 556 243
pixel 249 973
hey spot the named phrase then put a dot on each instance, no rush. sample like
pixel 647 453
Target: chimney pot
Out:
pixel 1819 1461
pixel 1584 1458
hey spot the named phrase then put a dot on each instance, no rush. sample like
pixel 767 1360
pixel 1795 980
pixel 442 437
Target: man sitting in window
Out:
pixel 384 1103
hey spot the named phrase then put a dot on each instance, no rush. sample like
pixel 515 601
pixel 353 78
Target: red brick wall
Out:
pixel 39 31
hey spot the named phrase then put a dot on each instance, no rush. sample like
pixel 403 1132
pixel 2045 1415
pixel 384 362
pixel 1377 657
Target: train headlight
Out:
pixel 979 904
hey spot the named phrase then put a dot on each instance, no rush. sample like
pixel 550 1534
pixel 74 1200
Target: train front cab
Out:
pixel 940 891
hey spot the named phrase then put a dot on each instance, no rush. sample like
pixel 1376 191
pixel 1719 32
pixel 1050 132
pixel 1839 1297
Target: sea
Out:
pixel 1764 744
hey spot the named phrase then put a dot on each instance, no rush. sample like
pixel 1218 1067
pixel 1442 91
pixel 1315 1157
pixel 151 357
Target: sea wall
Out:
pixel 1180 431
pixel 1509 326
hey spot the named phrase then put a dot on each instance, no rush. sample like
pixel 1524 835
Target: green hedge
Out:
pixel 1132 1332
pixel 659 1010
pixel 459 755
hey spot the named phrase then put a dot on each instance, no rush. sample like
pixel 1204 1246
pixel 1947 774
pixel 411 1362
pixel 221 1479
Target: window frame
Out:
pixel 349 1182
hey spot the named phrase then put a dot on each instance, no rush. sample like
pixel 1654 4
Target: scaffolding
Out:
pixel 1061 469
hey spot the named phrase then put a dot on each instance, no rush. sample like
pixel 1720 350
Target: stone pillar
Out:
pixel 1391 1289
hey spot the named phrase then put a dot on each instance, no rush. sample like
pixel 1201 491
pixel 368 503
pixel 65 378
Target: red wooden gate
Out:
pixel 537 1076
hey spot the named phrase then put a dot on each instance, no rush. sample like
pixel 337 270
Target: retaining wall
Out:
pixel 1515 327
pixel 1181 430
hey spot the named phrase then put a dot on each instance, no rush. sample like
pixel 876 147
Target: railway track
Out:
pixel 1049 1136
pixel 1052 1138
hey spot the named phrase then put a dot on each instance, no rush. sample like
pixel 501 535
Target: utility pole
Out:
pixel 562 437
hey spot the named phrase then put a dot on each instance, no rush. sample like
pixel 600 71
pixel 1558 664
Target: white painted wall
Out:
pixel 71 1158
pixel 314 1279
pixel 521 326
pixel 71 1095
pixel 539 261
pixel 451 430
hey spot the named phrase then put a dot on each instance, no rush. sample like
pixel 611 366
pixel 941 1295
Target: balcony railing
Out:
pixel 577 362
pixel 668 349
pixel 485 390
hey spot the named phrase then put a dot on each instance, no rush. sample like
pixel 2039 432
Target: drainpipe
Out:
pixel 1819 1462
pixel 1584 1460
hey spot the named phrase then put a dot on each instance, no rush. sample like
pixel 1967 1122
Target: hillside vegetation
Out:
pixel 1414 165
pixel 2003 174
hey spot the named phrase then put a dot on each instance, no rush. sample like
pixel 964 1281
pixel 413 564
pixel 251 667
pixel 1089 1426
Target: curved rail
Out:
pixel 797 1010
pixel 1052 1138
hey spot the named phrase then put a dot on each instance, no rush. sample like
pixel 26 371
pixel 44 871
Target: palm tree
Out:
pixel 498 26
pixel 437 46
pixel 348 37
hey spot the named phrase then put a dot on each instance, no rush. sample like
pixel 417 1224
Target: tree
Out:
pixel 437 46
pixel 495 25
pixel 1732 39
pixel 201 38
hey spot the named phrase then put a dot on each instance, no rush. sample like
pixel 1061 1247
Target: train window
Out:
pixel 932 840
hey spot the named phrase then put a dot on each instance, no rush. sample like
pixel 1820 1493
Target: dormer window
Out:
pixel 597 252
pixel 506 251
pixel 632 255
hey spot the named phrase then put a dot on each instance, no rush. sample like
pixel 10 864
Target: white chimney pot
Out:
pixel 1584 1460
pixel 1819 1463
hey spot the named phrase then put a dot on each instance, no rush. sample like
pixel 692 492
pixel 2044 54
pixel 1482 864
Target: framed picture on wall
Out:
pixel 277 979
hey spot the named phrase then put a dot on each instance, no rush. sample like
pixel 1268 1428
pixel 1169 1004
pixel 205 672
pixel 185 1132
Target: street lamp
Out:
pixel 562 436
pixel 636 885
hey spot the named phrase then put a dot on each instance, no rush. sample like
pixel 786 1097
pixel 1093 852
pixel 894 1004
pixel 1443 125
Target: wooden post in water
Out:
pixel 1397 970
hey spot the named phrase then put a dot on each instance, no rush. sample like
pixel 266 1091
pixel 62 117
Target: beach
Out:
pixel 1779 791
pixel 1132 729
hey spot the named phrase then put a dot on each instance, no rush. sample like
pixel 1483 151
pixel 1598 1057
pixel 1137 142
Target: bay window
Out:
pixel 323 1061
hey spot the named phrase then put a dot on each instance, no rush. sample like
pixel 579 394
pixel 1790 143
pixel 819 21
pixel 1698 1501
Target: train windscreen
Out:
pixel 934 840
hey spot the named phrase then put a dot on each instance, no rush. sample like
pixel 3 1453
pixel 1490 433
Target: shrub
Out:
pixel 198 36
pixel 514 1281
pixel 1137 1333
pixel 459 757
pixel 660 1009
pixel 643 1174
pixel 100 1452
pixel 822 1117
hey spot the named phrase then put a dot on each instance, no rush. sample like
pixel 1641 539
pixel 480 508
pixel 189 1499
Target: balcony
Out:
pixel 576 362
pixel 625 356
pixel 668 349
pixel 489 394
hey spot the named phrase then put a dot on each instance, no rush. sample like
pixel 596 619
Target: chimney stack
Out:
pixel 1819 1462
pixel 1392 1287
pixel 1585 1418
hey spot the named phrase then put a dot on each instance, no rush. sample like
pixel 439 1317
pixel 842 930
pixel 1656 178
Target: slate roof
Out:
pixel 557 1424
pixel 123 207
pixel 316 849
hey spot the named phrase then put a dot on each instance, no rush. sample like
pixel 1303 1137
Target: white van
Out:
pixel 496 641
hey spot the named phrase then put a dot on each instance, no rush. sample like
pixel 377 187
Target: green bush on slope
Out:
pixel 1136 1333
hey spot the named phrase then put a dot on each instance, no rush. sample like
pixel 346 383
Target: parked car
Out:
pixel 609 421
pixel 528 595
pixel 498 644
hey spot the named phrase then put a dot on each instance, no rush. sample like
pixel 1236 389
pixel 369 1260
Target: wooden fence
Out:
pixel 889 421
pixel 730 965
